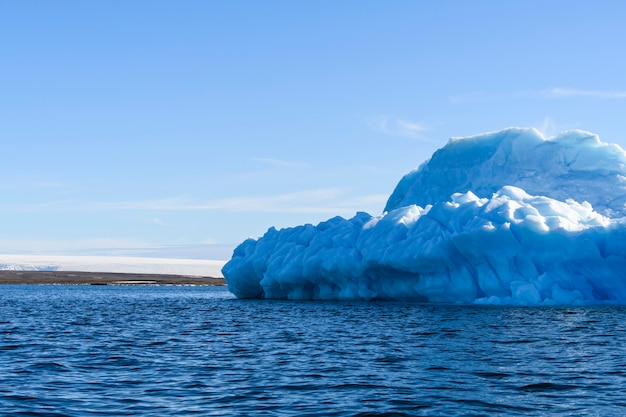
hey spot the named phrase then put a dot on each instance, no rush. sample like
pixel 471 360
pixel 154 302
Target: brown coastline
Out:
pixel 104 278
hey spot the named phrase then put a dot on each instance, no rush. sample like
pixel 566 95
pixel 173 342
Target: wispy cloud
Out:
pixel 157 220
pixel 163 204
pixel 67 246
pixel 398 127
pixel 550 93
pixel 22 183
pixel 572 92
pixel 327 200
pixel 53 185
pixel 30 250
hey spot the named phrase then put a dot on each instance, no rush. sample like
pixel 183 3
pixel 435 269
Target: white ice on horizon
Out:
pixel 505 217
pixel 122 264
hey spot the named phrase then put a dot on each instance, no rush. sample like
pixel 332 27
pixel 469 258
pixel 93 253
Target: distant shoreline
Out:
pixel 104 278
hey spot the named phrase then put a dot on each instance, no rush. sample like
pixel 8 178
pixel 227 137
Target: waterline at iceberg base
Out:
pixel 508 217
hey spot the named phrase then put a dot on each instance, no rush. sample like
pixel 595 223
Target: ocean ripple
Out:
pixel 177 351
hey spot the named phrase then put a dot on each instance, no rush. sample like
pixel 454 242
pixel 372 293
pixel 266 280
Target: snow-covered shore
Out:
pixel 123 264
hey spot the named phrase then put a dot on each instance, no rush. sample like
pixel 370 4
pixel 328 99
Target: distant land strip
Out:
pixel 104 278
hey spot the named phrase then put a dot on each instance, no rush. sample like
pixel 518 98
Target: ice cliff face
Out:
pixel 505 217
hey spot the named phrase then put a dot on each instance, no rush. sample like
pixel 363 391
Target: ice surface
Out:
pixel 123 264
pixel 506 217
pixel 574 165
pixel 27 267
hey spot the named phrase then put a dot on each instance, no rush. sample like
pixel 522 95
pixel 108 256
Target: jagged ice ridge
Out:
pixel 508 217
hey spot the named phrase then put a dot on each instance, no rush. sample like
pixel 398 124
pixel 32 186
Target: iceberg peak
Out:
pixel 572 165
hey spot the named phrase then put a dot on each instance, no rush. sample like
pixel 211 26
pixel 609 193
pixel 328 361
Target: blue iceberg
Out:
pixel 508 217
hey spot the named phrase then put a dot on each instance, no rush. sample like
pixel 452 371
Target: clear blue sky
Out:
pixel 147 124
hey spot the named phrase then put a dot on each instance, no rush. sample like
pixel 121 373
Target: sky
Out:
pixel 181 128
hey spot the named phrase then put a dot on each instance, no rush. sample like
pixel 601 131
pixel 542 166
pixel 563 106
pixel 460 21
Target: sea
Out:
pixel 197 351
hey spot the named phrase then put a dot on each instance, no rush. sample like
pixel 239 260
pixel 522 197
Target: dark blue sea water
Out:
pixel 179 351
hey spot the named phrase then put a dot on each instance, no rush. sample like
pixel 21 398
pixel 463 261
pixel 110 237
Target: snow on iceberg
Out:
pixel 507 217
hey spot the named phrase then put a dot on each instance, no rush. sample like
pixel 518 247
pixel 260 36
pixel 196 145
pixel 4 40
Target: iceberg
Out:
pixel 507 217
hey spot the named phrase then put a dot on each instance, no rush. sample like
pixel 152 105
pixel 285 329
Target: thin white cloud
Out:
pixel 411 129
pixel 572 92
pixel 398 127
pixel 163 204
pixel 157 220
pixel 329 201
pixel 55 185
pixel 550 93
pixel 207 249
pixel 56 205
pixel 326 200
pixel 67 246
pixel 37 185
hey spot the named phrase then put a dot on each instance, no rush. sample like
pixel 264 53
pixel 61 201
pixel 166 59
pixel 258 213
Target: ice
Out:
pixel 501 218
pixel 121 264
pixel 574 165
